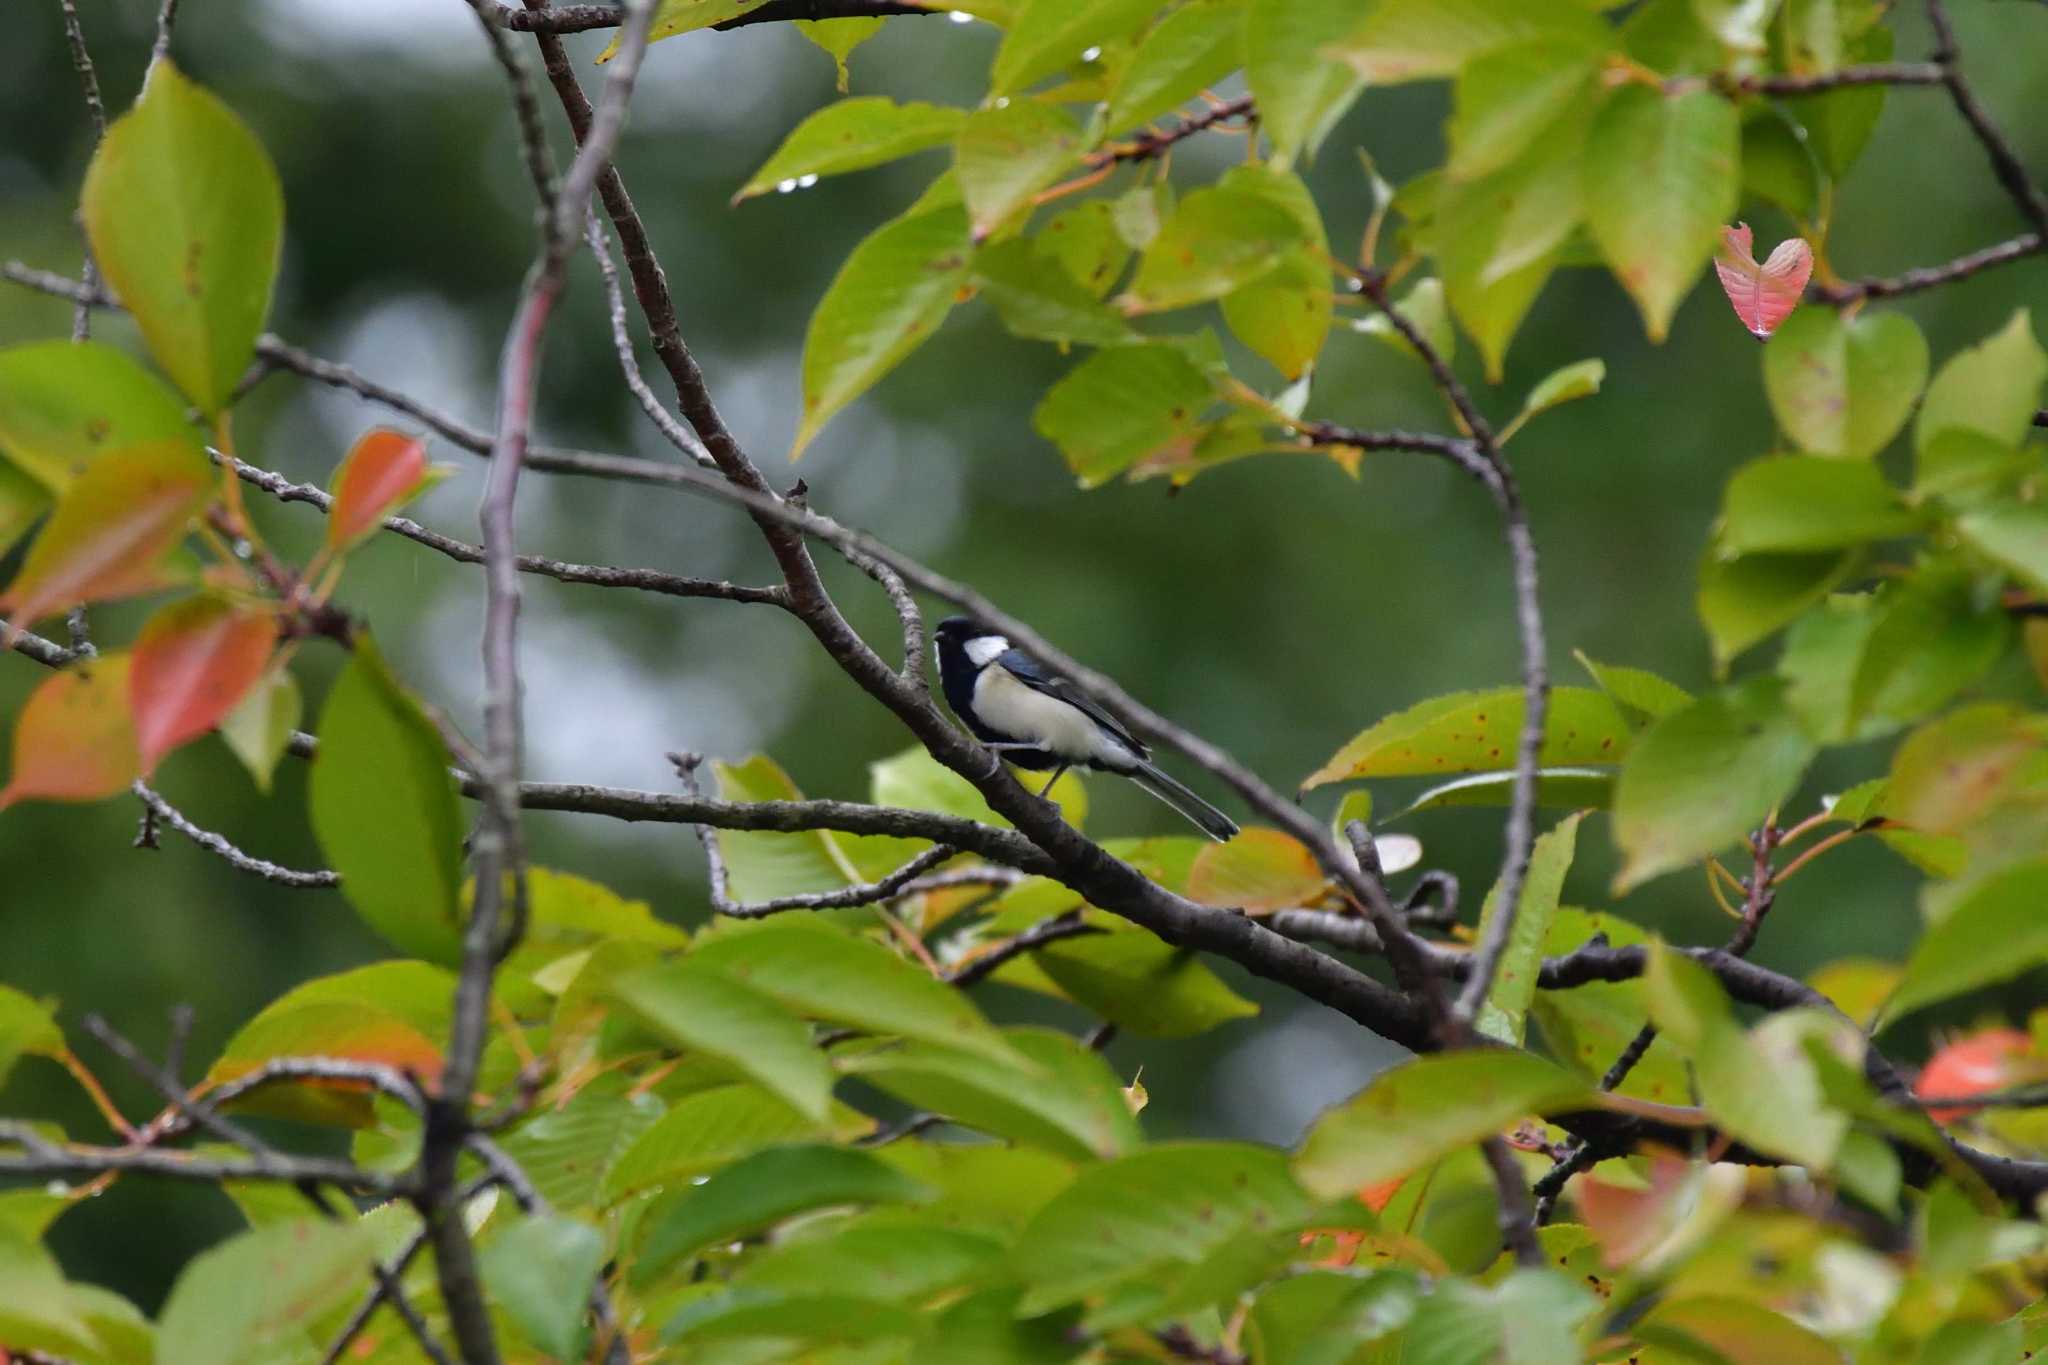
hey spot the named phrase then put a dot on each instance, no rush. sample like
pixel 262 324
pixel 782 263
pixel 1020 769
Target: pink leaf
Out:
pixel 1763 295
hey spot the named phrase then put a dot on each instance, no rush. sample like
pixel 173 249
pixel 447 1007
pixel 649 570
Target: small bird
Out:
pixel 1038 720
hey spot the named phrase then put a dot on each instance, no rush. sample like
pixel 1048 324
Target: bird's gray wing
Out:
pixel 1039 678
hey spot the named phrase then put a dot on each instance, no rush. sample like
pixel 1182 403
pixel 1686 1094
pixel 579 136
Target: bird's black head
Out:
pixel 957 667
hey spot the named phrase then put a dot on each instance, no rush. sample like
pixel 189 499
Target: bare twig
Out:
pixel 533 134
pixel 43 1159
pixel 498 912
pixel 867 893
pixel 164 812
pixel 1929 277
pixel 672 431
pixel 1148 146
pixel 507 1172
pixel 166 20
pixel 1841 78
pixel 89 82
pixel 595 575
pixel 2006 166
pixel 583 18
pixel 978 969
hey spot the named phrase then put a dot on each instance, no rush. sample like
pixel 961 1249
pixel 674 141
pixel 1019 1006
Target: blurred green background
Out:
pixel 1276 605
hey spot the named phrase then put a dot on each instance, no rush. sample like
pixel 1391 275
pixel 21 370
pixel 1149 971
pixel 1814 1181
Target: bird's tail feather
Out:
pixel 1213 822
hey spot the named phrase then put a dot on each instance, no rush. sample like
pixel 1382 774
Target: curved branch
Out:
pixel 219 846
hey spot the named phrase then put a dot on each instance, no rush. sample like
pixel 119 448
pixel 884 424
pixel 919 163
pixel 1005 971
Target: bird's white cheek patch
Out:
pixel 1015 709
pixel 982 650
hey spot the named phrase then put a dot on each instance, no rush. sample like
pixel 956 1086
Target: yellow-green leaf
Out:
pixel 1477 732
pixel 887 299
pixel 62 403
pixel 186 219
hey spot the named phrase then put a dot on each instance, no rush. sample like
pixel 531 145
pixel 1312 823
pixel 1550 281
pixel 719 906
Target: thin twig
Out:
pixel 164 812
pixel 1149 146
pixel 2006 166
pixel 89 82
pixel 42 1159
pixel 166 19
pixel 978 969
pixel 562 571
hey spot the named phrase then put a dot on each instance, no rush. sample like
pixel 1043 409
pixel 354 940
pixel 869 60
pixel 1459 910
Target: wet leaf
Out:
pixel 853 135
pixel 1763 296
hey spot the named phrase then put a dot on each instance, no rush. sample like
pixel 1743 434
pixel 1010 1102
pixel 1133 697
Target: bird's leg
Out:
pixel 1057 773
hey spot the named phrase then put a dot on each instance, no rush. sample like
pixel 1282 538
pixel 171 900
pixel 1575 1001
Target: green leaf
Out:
pixel 62 403
pixel 1839 122
pixel 1322 1317
pixel 1958 955
pixel 1167 1205
pixel 890 295
pixel 1478 732
pixel 1217 240
pixel 829 974
pixel 186 220
pixel 853 135
pixel 839 37
pixel 1122 406
pixel 1074 1106
pixel 1285 314
pixel 984 1328
pixel 1844 388
pixel 1948 773
pixel 385 809
pixel 694 1007
pixel 1006 154
pixel 1794 503
pixel 1748 598
pixel 1184 54
pixel 1766 1095
pixel 114 530
pixel 252 1298
pixel 259 729
pixel 1047 36
pixel 1701 778
pixel 704 1131
pixel 1038 299
pixel 1637 689
pixel 1570 788
pixel 539 1273
pixel 1530 1318
pixel 23 503
pixel 1427 1108
pixel 36 1308
pixel 1935 635
pixel 760 865
pixel 1085 241
pixel 783 1318
pixel 569 1153
pixel 1740 24
pixel 1734 1330
pixel 1662 176
pixel 761 1190
pixel 1514 983
pixel 1959 1342
pixel 1301 89
pixel 1141 984
pixel 1580 379
pixel 1966 468
pixel 1508 98
pixel 1993 387
pixel 1406 40
pixel 2012 535
pixel 890 1255
pixel 915 780
pixel 28 1027
pixel 1778 166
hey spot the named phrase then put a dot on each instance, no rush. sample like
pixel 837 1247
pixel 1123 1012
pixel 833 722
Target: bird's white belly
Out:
pixel 1006 704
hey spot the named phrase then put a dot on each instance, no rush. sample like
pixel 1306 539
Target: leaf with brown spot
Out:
pixel 1260 869
pixel 1478 732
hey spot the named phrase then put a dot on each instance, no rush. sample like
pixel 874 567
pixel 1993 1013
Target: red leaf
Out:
pixel 1971 1066
pixel 194 662
pixel 379 473
pixel 112 530
pixel 1632 1223
pixel 1763 295
pixel 75 740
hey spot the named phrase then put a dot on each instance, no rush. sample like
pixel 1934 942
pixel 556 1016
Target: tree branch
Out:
pixel 42 1159
pixel 979 969
pixel 2006 166
pixel 595 575
pixel 219 846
